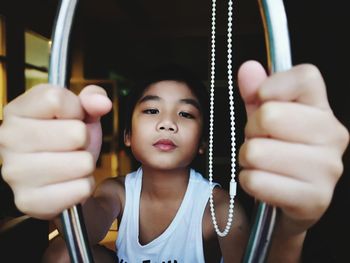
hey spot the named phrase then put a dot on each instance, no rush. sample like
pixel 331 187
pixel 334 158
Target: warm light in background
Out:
pixel 37 53
pixel 3 96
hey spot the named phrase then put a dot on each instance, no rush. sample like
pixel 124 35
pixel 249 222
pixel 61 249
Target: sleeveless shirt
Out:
pixel 182 241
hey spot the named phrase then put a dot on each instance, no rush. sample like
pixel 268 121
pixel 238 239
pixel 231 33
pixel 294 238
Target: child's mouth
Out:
pixel 165 145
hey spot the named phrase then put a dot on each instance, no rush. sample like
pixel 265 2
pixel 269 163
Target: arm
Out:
pixel 104 207
pixel 101 209
pixel 286 245
pixel 292 155
pixel 57 253
pixel 233 245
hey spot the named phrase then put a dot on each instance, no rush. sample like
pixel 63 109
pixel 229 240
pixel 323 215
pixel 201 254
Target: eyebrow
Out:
pixel 148 97
pixel 192 102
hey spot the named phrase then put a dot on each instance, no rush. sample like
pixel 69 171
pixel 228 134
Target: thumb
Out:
pixel 250 75
pixel 95 103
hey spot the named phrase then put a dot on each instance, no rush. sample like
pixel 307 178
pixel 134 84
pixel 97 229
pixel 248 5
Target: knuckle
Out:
pixel 6 173
pixel 242 154
pixel 337 168
pixel 87 163
pixel 268 116
pixel 87 187
pixel 9 173
pixel 344 137
pixel 5 136
pixel 54 97
pixel 250 153
pixel 322 201
pixel 79 134
pixel 22 200
pixel 247 181
pixel 309 72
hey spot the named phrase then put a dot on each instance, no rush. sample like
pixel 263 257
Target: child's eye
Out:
pixel 151 111
pixel 186 115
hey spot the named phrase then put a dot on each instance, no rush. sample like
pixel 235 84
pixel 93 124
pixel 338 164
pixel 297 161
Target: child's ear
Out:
pixel 202 147
pixel 127 139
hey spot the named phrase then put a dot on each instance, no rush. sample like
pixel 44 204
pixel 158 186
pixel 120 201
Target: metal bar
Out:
pixel 72 220
pixel 279 59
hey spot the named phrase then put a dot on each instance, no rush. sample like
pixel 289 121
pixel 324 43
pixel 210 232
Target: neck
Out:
pixel 164 184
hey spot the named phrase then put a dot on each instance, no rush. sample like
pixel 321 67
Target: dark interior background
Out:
pixel 122 38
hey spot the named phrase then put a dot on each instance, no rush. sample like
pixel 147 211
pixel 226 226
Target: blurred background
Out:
pixel 114 42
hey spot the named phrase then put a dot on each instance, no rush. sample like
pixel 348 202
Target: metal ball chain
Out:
pixel 233 184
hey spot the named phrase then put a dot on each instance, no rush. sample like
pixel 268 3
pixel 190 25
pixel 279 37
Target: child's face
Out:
pixel 166 126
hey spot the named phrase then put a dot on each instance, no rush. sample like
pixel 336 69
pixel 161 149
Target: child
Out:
pixel 291 158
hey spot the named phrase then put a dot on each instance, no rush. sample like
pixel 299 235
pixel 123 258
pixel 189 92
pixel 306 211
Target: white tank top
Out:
pixel 181 242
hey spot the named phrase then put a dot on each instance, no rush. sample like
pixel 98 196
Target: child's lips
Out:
pixel 165 145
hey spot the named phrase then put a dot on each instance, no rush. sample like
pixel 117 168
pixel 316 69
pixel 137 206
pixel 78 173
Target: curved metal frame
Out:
pixel 279 59
pixel 72 218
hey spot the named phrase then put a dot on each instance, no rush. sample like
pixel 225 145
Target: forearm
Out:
pixel 287 242
pixel 57 252
pixel 287 250
pixel 95 218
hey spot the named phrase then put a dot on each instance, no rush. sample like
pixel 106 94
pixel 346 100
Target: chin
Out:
pixel 165 166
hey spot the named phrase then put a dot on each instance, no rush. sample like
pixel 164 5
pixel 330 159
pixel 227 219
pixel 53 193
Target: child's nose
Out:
pixel 167 125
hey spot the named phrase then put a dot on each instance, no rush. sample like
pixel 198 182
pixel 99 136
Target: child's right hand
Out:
pixel 49 142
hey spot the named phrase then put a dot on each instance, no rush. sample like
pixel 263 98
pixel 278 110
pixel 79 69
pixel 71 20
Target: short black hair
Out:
pixel 172 72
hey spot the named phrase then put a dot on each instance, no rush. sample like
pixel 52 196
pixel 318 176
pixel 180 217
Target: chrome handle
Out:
pixel 278 59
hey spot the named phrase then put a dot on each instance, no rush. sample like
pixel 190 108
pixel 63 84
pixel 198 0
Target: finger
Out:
pixel 46 102
pixel 58 197
pixel 47 167
pixel 294 122
pixel 313 163
pixel 250 76
pixel 302 83
pixel 296 198
pixel 95 102
pixel 44 135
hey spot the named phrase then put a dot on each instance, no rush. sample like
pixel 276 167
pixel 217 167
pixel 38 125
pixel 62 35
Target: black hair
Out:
pixel 170 72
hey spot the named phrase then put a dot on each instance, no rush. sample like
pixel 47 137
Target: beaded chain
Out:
pixel 233 184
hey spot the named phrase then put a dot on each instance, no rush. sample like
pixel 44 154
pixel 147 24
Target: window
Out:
pixel 3 95
pixel 37 52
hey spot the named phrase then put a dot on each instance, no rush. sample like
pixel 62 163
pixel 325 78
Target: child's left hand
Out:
pixel 292 156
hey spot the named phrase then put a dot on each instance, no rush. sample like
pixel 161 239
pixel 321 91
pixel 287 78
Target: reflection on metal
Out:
pixel 276 35
pixel 60 41
pixel 11 224
pixel 279 58
pixel 72 220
